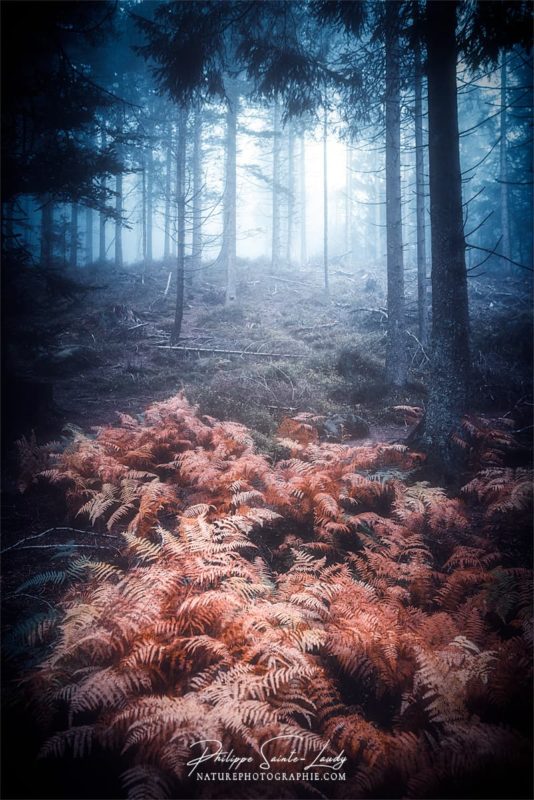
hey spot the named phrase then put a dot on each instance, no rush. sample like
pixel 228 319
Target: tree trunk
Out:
pixel 290 190
pixel 348 257
pixel 422 293
pixel 167 219
pixel 73 238
pixel 149 202
pixel 395 347
pixel 275 249
pixel 196 248
pixel 230 193
pixel 118 220
pixel 449 385
pixel 303 243
pixel 143 214
pixel 47 225
pixel 180 213
pixel 89 235
pixel 503 177
pixel 102 216
pixel 325 199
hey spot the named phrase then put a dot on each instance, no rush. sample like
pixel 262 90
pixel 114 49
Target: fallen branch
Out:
pixel 315 327
pixel 53 530
pixel 371 311
pixel 140 325
pixel 292 280
pixel 227 352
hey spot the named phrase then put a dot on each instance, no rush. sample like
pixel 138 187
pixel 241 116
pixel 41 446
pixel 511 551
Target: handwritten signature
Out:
pixel 213 752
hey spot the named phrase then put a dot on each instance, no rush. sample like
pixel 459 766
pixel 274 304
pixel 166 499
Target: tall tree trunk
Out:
pixel 378 219
pixel 143 214
pixel 168 183
pixel 303 242
pixel 503 177
pixel 230 192
pixel 325 199
pixel 47 232
pixel 149 201
pixel 422 293
pixel 290 189
pixel 196 248
pixel 395 347
pixel 348 256
pixel 89 235
pixel 180 213
pixel 102 216
pixel 275 248
pixel 118 220
pixel 449 385
pixel 73 238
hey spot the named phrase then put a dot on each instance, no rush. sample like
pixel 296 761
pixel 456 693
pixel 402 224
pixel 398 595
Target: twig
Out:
pixel 371 311
pixel 70 544
pixel 227 352
pixel 140 325
pixel 53 530
pixel 315 327
pixel 166 292
pixel 420 345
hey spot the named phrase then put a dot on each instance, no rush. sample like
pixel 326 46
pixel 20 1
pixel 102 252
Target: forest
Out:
pixel 267 399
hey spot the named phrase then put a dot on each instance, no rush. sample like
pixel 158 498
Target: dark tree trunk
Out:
pixel 422 294
pixel 290 190
pixel 196 247
pixel 89 235
pixel 449 385
pixel 73 238
pixel 348 257
pixel 47 225
pixel 180 211
pixel 118 220
pixel 396 346
pixel 230 192
pixel 503 177
pixel 143 214
pixel 102 216
pixel 149 201
pixel 302 190
pixel 325 199
pixel 168 180
pixel 275 248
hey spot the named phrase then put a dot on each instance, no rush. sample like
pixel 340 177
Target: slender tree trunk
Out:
pixel 89 235
pixel 378 220
pixel 290 189
pixel 143 215
pixel 325 199
pixel 448 396
pixel 180 210
pixel 196 248
pixel 348 257
pixel 303 243
pixel 118 220
pixel 73 246
pixel 230 193
pixel 167 218
pixel 102 216
pixel 395 347
pixel 503 177
pixel 47 232
pixel 422 293
pixel 149 201
pixel 275 249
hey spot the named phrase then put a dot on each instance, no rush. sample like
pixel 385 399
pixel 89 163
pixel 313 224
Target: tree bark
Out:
pixel 73 238
pixel 180 209
pixel 448 395
pixel 118 220
pixel 325 199
pixel 303 242
pixel 102 216
pixel 275 248
pixel 230 192
pixel 395 347
pixel 89 235
pixel 47 225
pixel 149 201
pixel 290 190
pixel 143 214
pixel 422 293
pixel 196 247
pixel 503 177
pixel 168 180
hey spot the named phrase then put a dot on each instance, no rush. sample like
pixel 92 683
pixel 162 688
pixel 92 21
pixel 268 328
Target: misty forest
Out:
pixel 267 399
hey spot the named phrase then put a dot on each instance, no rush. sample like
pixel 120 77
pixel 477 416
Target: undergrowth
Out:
pixel 324 597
